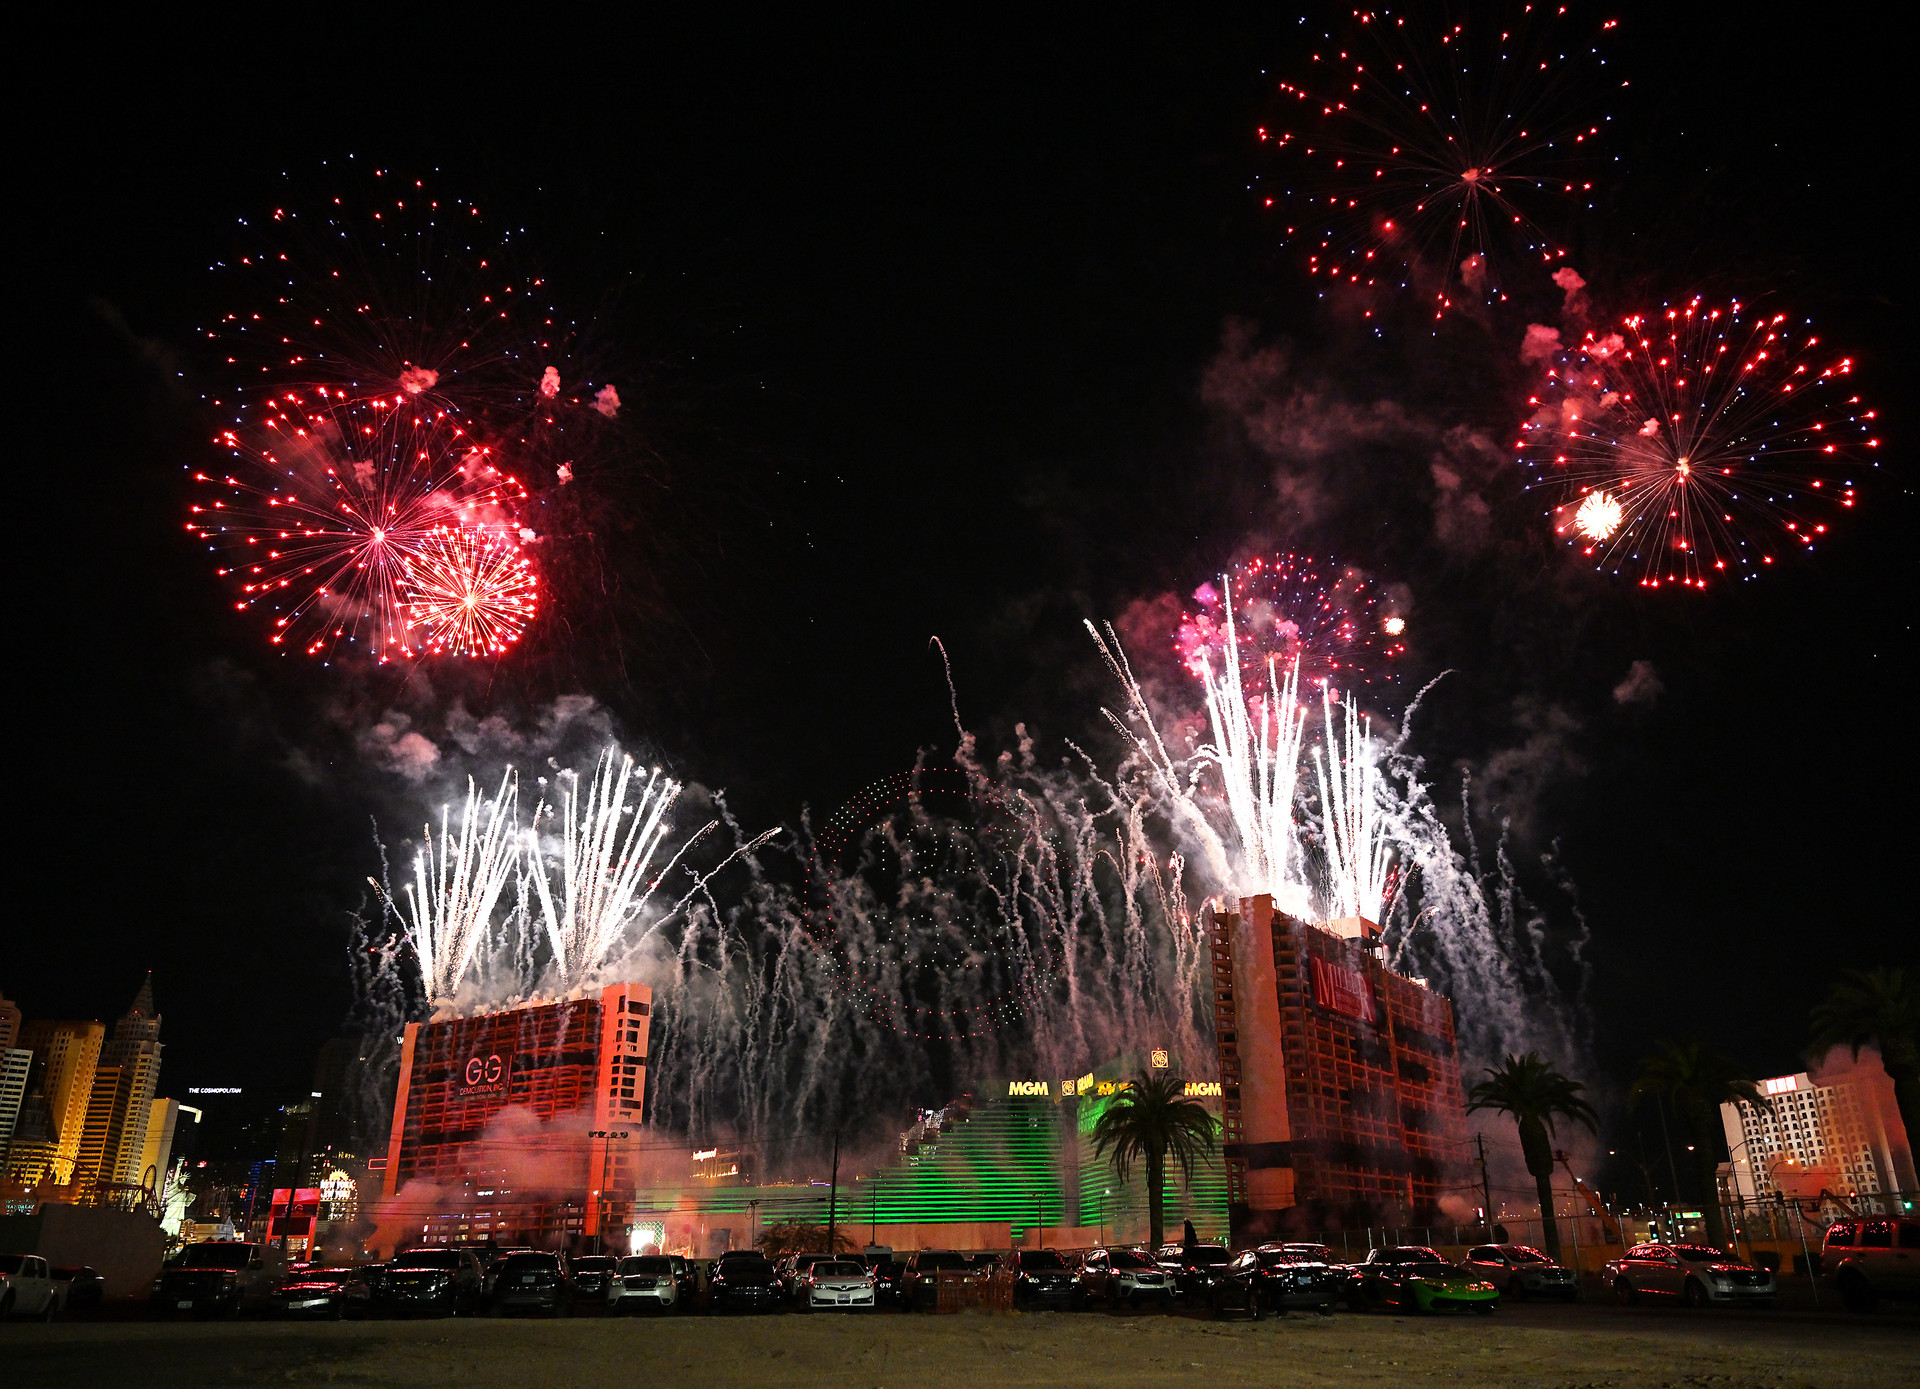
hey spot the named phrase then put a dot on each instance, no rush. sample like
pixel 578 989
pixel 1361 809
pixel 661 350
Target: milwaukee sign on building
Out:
pixel 1340 1082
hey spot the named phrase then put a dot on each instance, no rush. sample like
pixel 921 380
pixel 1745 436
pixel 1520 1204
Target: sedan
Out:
pixel 317 1291
pixel 844 1284
pixel 438 1281
pixel 85 1287
pixel 1041 1278
pixel 1697 1274
pixel 644 1283
pixel 1414 1278
pixel 1521 1272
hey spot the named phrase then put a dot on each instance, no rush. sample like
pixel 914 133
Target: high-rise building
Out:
pixel 114 1137
pixel 15 1064
pixel 1815 1138
pixel 1340 1079
pixel 565 1164
pixel 67 1054
pixel 156 1151
pixel 9 1022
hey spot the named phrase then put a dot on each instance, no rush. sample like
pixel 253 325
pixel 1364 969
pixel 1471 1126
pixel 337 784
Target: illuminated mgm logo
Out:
pixel 1028 1089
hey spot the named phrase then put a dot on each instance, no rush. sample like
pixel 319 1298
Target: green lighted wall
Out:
pixel 1121 1207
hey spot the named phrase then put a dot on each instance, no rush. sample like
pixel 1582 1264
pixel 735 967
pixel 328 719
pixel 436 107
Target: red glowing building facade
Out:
pixel 521 1126
pixel 1340 1080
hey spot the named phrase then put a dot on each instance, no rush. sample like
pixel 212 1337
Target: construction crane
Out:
pixel 1594 1203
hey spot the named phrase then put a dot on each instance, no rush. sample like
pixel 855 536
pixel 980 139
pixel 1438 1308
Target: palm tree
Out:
pixel 1149 1121
pixel 799 1237
pixel 1878 1008
pixel 1530 1090
pixel 1696 1082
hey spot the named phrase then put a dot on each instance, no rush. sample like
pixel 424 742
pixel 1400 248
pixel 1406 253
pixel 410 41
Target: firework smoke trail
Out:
pixel 1358 850
pixel 451 901
pixel 603 885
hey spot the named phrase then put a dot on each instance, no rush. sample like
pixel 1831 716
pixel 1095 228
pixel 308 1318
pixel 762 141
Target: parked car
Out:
pixel 741 1281
pixel 645 1283
pixel 324 1291
pixel 85 1288
pixel 1872 1259
pixel 1124 1278
pixel 1042 1278
pixel 1194 1268
pixel 1414 1278
pixel 686 1281
pixel 437 1282
pixel 1697 1274
pixel 215 1278
pixel 491 1264
pixel 920 1281
pixel 793 1268
pixel 842 1284
pixel 536 1281
pixel 27 1287
pixel 591 1275
pixel 1269 1279
pixel 886 1277
pixel 1520 1272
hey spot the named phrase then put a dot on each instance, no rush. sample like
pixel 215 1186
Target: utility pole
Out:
pixel 833 1194
pixel 1486 1188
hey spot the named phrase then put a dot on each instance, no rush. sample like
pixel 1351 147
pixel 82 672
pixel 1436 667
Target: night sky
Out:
pixel 923 314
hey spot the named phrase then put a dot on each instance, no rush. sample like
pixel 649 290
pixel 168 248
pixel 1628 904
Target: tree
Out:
pixel 1696 1082
pixel 1878 1008
pixel 1148 1122
pixel 799 1237
pixel 1534 1094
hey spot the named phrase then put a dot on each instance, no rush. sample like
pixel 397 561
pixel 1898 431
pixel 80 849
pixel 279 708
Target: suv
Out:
pixel 535 1282
pixel 1041 1278
pixel 1874 1259
pixel 1124 1277
pixel 441 1282
pixel 1521 1272
pixel 920 1283
pixel 1194 1268
pixel 214 1278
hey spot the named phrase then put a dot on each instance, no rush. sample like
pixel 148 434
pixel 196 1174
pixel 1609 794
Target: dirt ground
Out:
pixel 1564 1347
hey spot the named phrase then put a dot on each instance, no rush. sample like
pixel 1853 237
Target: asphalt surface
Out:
pixel 1587 1346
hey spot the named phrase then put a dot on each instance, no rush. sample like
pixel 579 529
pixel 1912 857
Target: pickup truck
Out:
pixel 27 1287
pixel 216 1278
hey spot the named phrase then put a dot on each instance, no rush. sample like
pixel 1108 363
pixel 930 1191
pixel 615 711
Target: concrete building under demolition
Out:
pixel 1341 1101
pixel 562 1167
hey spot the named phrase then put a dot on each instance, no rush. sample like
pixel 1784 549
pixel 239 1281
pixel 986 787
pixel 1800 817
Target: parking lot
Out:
pixel 1582 1345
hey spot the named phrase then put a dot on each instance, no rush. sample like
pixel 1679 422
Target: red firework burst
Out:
pixel 469 592
pixel 1326 617
pixel 1697 443
pixel 1425 150
pixel 330 500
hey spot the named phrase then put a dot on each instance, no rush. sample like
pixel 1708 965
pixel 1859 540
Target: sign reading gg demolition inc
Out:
pixel 484 1075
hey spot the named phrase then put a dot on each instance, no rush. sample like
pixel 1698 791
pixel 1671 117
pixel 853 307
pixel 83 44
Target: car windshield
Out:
pixel 1701 1254
pixel 1205 1254
pixel 1520 1254
pixel 217 1256
pixel 593 1263
pixel 647 1263
pixel 1132 1258
pixel 531 1263
pixel 427 1258
pixel 937 1261
pixel 10 1263
pixel 1042 1258
pixel 746 1266
pixel 1310 1251
pixel 840 1268
pixel 1412 1255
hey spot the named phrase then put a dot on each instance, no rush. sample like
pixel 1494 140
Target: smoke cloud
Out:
pixel 1642 685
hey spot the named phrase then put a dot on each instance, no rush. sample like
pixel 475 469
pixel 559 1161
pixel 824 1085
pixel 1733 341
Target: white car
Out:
pixel 643 1283
pixel 27 1287
pixel 1697 1274
pixel 843 1284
